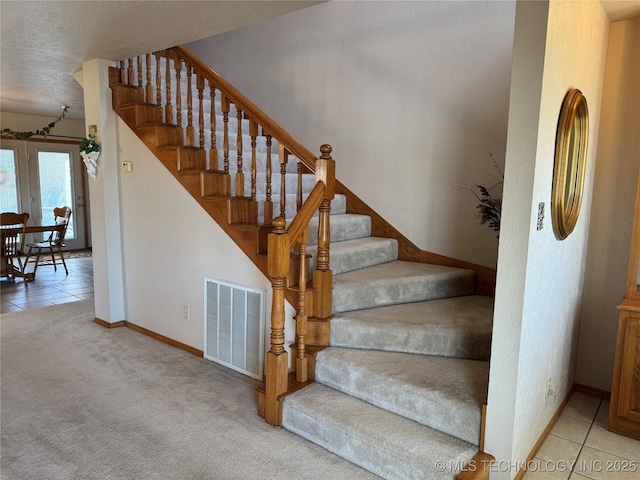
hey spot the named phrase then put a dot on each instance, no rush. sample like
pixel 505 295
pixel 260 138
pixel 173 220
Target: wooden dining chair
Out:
pixel 13 230
pixel 55 242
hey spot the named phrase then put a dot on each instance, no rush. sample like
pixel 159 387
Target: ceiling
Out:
pixel 44 42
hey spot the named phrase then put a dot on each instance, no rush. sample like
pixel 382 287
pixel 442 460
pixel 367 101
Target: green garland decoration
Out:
pixel 44 131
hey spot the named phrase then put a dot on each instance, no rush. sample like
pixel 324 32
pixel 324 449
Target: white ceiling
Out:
pixel 44 42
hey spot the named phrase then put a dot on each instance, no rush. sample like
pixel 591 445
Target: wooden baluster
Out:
pixel 148 94
pixel 301 317
pixel 240 174
pixel 200 87
pixel 177 64
pixel 213 151
pixel 323 276
pixel 268 204
pixel 253 131
pixel 130 74
pixel 276 364
pixel 225 138
pixel 284 159
pixel 159 112
pixel 168 115
pixel 139 65
pixel 190 131
pixel 299 190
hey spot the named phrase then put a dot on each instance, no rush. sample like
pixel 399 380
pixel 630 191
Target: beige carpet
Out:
pixel 79 401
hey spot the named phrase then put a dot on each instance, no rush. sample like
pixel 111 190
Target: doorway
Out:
pixel 41 175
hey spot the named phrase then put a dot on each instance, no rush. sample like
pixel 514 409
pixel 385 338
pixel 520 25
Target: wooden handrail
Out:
pixel 268 124
pixel 308 209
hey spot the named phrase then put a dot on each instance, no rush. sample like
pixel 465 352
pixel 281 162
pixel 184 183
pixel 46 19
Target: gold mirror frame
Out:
pixel 570 159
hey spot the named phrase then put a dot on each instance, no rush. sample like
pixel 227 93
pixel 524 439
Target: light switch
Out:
pixel 126 167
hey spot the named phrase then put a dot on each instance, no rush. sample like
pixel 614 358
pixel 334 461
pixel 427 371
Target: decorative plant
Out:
pixel 490 206
pixel 44 131
pixel 90 151
pixel 90 144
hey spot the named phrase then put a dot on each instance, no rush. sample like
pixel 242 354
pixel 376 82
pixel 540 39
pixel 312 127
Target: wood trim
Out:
pixel 151 333
pixel 591 391
pixel 478 468
pixel 544 435
pixel 104 323
pixel 71 141
pixel 407 250
pixel 167 340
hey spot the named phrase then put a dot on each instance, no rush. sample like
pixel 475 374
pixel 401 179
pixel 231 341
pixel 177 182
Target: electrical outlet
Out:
pixel 185 312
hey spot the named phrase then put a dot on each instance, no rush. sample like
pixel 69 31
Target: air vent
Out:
pixel 234 326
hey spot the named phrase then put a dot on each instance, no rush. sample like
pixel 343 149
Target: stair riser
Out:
pixel 346 261
pixel 338 206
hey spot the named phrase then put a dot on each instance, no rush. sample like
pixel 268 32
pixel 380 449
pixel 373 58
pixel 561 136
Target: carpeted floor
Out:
pixel 83 402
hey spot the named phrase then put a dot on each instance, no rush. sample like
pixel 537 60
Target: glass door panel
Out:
pixel 9 190
pixel 54 175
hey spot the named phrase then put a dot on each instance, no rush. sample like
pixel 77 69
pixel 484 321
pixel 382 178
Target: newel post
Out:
pixel 277 363
pixel 323 276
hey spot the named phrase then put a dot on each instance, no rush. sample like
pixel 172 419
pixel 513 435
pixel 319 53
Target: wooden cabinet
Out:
pixel 624 412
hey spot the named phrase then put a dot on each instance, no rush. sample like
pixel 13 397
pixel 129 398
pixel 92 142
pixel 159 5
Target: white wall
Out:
pixel 407 93
pixel 558 45
pixel 613 204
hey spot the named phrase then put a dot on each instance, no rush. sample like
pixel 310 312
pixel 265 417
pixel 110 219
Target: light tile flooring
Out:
pixel 50 287
pixel 580 447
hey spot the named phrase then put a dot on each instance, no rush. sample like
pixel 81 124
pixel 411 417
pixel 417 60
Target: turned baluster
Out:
pixel 323 276
pixel 200 88
pixel 168 115
pixel 268 204
pixel 213 151
pixel 159 112
pixel 225 139
pixel 139 68
pixel 283 154
pixel 190 129
pixel 130 75
pixel 276 364
pixel 240 174
pixel 301 317
pixel 177 64
pixel 253 132
pixel 123 72
pixel 148 94
pixel 299 190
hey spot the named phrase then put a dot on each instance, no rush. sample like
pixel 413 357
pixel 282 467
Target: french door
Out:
pixel 45 175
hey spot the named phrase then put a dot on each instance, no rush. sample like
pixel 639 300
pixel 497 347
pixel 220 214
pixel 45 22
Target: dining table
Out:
pixel 33 226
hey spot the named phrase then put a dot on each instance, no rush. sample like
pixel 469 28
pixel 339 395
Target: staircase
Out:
pixel 391 358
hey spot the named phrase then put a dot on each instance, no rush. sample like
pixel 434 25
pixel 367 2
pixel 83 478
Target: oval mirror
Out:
pixel 571 155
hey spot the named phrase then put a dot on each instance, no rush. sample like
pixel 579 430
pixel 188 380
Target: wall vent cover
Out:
pixel 234 326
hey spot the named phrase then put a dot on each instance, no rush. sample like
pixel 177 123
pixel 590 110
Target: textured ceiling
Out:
pixel 44 42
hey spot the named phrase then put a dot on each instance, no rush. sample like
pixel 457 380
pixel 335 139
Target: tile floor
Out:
pixel 580 447
pixel 49 287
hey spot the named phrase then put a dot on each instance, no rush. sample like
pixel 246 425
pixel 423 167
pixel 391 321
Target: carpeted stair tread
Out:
pixel 442 393
pixel 359 253
pixel 343 227
pixel 386 444
pixel 399 282
pixel 338 205
pixel 452 327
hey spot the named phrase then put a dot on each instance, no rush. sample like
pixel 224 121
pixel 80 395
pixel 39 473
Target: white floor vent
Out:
pixel 234 326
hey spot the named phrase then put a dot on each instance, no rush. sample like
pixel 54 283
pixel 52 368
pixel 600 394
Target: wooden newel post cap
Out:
pixel 279 224
pixel 326 151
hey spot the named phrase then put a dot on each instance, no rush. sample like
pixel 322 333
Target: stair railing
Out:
pixel 281 241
